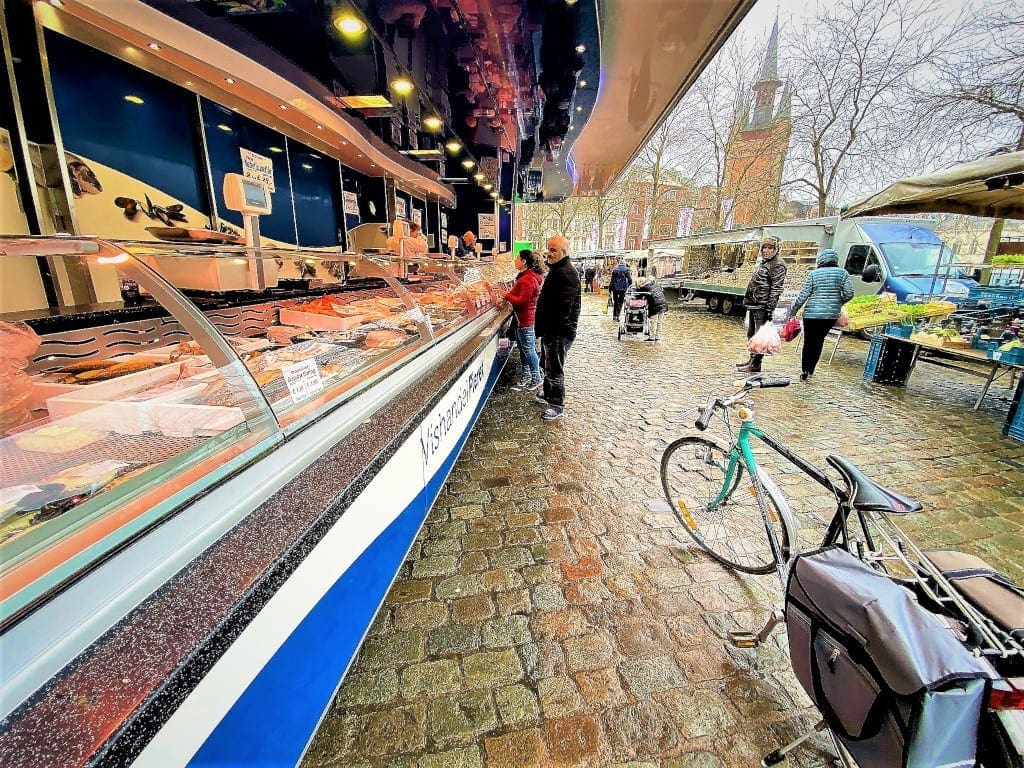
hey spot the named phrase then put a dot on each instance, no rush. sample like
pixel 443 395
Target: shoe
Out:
pixel 749 368
pixel 538 399
pixel 523 383
pixel 744 364
pixel 552 413
pixel 533 386
pixel 804 376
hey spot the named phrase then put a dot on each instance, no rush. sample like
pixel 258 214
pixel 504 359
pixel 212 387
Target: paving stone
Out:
pixel 519 749
pixel 443 565
pixel 461 719
pixel 573 740
pixel 645 676
pixel 363 688
pixel 505 631
pixel 589 652
pixel 516 601
pixel 517 704
pixel 453 638
pixel 466 757
pixel 430 678
pixel 473 609
pixel 408 591
pixel 425 615
pixel 547 597
pixel 393 650
pixel 559 696
pixel 490 668
pixel 458 586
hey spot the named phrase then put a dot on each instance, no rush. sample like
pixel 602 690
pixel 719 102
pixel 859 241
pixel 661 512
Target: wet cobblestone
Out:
pixel 549 616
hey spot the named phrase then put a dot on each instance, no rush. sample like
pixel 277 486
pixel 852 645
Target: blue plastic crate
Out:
pixel 874 352
pixel 899 329
pixel 1016 428
pixel 1015 356
pixel 985 346
pixel 997 296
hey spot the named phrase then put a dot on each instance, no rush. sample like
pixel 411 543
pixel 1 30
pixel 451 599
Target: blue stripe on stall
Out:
pixel 271 722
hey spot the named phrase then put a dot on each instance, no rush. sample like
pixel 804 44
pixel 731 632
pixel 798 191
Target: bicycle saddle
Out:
pixel 869 496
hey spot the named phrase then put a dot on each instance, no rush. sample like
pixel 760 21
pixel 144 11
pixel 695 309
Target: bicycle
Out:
pixel 730 506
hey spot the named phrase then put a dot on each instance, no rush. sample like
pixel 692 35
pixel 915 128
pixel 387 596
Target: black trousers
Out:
pixel 758 317
pixel 619 297
pixel 815 331
pixel 553 351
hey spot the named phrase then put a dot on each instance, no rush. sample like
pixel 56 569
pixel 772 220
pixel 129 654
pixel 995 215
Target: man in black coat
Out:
pixel 558 313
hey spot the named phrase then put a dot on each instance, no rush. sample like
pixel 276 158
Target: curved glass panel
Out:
pixel 102 426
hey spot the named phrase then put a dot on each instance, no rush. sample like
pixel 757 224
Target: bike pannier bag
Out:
pixel 890 679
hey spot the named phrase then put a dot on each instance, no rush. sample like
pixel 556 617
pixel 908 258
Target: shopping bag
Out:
pixel 607 304
pixel 843 320
pixel 791 329
pixel 766 341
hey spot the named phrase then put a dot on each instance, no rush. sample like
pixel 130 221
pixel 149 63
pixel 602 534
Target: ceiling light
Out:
pixel 154 46
pixel 282 106
pixel 453 146
pixel 225 128
pixel 467 163
pixel 350 25
pixel 229 80
pixel 56 3
pixel 277 150
pixel 581 48
pixel 422 152
pixel 488 187
pixel 583 83
pixel 494 194
pixel 402 86
pixel 478 176
pixel 319 127
pixel 134 99
pixel 307 166
pixel 432 123
pixel 579 109
pixel 370 101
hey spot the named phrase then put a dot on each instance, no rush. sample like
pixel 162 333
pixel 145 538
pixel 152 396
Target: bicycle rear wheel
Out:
pixel 726 522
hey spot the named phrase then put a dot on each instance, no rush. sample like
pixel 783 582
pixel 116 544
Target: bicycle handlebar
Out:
pixel 705 415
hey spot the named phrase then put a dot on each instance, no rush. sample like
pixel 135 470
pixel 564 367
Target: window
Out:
pixel 856 258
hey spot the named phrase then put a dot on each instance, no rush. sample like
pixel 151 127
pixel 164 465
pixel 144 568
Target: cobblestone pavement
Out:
pixel 547 616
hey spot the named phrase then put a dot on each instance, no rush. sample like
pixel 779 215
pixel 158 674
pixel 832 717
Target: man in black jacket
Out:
pixel 763 292
pixel 558 313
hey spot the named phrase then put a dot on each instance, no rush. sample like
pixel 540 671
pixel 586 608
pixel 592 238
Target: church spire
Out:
pixel 770 66
pixel 767 82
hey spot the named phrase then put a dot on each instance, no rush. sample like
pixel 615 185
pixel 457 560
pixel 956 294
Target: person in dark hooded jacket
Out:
pixel 825 291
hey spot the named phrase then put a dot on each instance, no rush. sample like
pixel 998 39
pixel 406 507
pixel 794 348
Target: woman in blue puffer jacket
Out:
pixel 825 291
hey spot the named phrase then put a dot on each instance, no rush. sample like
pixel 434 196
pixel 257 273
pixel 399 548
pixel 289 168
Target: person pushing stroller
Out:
pixel 657 305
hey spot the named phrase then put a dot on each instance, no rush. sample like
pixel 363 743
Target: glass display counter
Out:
pixel 110 423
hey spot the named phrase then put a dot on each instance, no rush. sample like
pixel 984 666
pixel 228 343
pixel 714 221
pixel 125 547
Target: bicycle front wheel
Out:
pixel 720 510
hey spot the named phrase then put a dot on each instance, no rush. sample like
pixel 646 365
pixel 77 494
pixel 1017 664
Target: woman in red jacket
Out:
pixel 523 298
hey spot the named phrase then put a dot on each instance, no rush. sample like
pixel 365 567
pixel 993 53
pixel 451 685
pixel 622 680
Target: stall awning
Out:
pixel 993 187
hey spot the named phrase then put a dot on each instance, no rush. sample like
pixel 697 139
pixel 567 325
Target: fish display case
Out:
pixel 124 420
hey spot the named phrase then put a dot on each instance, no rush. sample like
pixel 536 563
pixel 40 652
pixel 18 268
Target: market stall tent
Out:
pixel 991 187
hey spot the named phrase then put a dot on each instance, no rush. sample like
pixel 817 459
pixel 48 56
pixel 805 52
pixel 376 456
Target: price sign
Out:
pixel 303 380
pixel 258 168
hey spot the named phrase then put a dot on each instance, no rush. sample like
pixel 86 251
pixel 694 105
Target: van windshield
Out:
pixel 917 259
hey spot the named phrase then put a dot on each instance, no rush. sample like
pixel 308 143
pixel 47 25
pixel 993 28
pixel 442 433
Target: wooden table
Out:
pixel 991 374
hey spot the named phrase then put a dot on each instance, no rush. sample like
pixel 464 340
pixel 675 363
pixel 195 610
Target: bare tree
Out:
pixel 976 101
pixel 853 67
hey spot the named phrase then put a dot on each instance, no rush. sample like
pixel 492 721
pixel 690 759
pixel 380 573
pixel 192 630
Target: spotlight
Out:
pixel 432 123
pixel 402 86
pixel 349 25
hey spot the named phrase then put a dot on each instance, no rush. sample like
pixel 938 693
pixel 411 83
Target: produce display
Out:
pixel 935 336
pixel 875 310
pixel 1008 260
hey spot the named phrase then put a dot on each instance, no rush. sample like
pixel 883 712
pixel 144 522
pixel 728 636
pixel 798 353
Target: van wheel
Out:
pixel 728 306
pixel 715 303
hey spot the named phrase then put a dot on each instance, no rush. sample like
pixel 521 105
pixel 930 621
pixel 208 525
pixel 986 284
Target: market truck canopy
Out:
pixel 991 187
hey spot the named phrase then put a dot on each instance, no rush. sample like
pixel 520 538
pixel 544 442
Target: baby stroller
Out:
pixel 635 314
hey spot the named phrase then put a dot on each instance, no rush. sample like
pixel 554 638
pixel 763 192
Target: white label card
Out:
pixel 303 380
pixel 258 168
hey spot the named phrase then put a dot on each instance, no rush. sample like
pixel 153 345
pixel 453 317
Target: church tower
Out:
pixel 757 147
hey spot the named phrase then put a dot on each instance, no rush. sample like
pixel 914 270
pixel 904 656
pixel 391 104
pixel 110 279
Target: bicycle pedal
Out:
pixel 742 639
